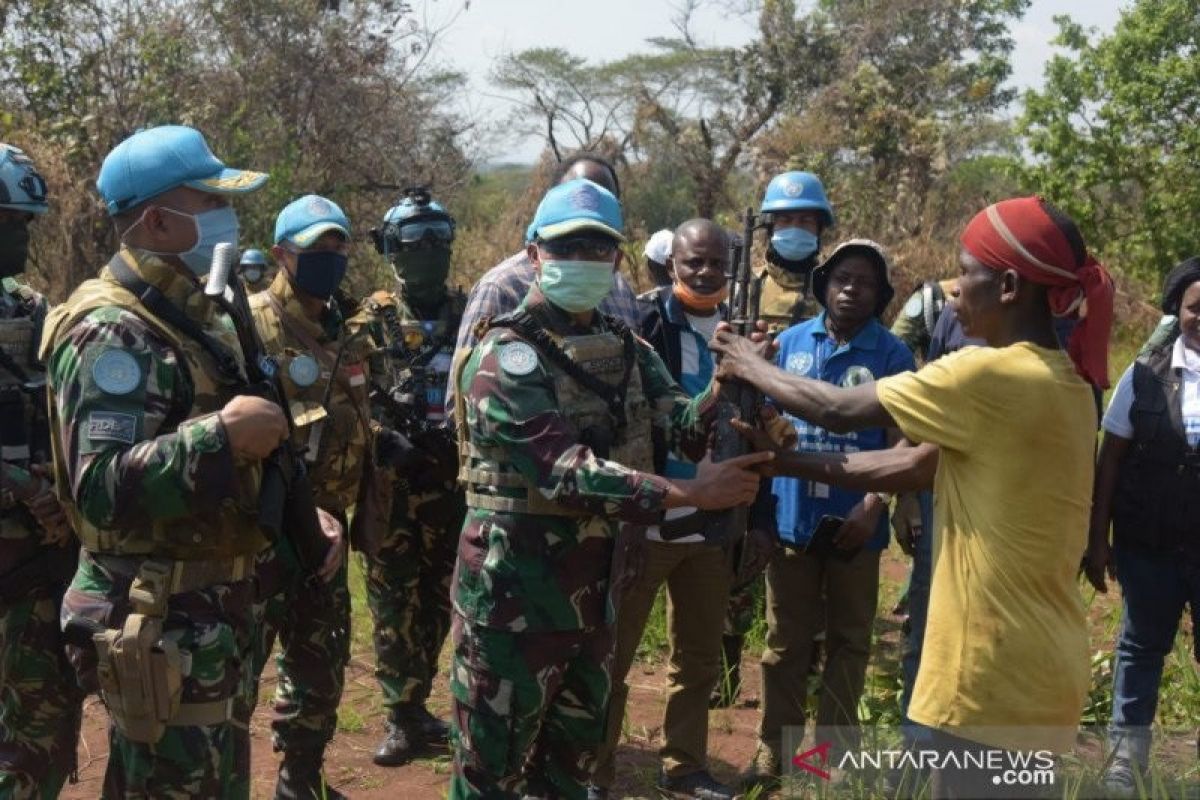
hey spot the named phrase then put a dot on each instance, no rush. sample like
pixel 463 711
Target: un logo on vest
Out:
pixel 799 363
pixel 857 376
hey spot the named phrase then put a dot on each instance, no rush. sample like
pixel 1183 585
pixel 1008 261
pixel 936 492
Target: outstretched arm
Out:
pixel 834 408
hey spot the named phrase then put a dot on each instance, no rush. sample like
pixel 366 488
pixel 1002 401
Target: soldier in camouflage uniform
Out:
pixel 798 214
pixel 40 699
pixel 555 409
pixel 915 322
pixel 408 575
pixel 325 378
pixel 156 459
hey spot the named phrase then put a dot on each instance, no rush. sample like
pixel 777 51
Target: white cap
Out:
pixel 658 249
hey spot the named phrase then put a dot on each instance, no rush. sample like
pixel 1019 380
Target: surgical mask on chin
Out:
pixel 212 228
pixel 576 286
pixel 794 244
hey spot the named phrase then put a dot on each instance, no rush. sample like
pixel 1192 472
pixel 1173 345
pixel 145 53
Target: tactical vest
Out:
pixel 493 482
pixel 213 533
pixel 782 306
pixel 334 438
pixel 429 344
pixel 24 438
pixel 1156 504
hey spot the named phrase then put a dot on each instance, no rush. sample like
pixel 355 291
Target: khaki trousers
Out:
pixel 795 614
pixel 698 577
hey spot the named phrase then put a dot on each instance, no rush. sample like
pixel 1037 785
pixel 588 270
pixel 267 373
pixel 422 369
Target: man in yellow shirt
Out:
pixel 1010 431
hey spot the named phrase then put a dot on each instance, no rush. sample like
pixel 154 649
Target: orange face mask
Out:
pixel 700 302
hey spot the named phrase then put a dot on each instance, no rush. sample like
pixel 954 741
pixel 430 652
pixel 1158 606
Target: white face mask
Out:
pixel 212 228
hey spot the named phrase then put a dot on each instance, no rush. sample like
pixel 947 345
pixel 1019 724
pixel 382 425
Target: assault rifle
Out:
pixel 285 502
pixel 405 406
pixel 737 400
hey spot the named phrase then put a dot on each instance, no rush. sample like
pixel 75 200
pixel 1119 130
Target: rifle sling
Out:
pixel 158 305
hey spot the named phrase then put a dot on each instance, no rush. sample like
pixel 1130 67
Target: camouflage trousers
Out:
pixel 40 702
pixel 529 710
pixel 408 591
pixel 312 624
pixel 214 626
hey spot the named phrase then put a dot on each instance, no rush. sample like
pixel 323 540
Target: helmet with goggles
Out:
pixel 416 221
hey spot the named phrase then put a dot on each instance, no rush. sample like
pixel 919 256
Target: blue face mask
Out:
pixel 576 286
pixel 794 244
pixel 212 228
pixel 319 272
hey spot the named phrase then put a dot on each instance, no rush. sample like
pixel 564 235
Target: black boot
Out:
pixel 300 778
pixel 435 731
pixel 726 691
pixel 405 737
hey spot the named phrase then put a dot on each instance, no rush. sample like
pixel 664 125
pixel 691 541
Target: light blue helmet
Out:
pixel 21 187
pixel 797 191
pixel 254 258
pixel 416 219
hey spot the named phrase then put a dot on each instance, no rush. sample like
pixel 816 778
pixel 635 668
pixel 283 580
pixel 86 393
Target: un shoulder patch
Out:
pixel 111 426
pixel 116 372
pixel 518 358
pixel 304 370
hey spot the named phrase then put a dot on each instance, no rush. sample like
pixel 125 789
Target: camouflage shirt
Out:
pixel 528 572
pixel 137 440
pixel 785 299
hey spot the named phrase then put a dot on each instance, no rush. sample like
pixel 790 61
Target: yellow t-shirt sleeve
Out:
pixel 935 404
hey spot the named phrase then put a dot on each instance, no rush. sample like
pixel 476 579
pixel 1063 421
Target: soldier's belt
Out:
pixel 178 577
pixel 529 502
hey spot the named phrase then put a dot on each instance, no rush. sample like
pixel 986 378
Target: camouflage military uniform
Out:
pixel 40 699
pixel 149 482
pixel 785 301
pixel 313 624
pixel 914 324
pixel 408 579
pixel 532 632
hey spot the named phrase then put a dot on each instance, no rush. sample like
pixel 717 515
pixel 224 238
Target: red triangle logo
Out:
pixel 821 751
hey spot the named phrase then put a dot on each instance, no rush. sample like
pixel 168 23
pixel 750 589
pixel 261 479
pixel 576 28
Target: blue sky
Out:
pixel 609 29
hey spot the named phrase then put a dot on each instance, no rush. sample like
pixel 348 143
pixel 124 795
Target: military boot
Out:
pixel 406 737
pixel 301 778
pixel 436 731
pixel 725 693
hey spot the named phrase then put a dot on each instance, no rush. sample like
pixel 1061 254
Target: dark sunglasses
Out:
pixel 588 248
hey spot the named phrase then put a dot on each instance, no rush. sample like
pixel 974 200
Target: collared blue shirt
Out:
pixel 695 373
pixel 807 350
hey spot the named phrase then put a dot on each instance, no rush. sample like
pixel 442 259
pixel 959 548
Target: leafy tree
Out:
pixel 335 101
pixel 1115 138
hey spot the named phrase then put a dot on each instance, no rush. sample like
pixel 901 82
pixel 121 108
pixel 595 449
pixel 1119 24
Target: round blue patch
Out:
pixel 518 358
pixel 116 372
pixel 304 370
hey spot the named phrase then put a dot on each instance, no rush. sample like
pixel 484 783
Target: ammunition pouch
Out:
pixel 140 672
